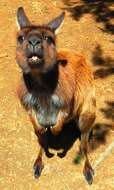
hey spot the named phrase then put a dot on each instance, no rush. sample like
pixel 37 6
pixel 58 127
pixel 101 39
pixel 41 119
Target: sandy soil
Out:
pixel 88 28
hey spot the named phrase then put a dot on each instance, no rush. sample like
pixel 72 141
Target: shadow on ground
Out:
pixel 104 64
pixel 101 10
pixel 100 131
pixel 108 111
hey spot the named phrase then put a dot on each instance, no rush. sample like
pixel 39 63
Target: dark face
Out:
pixel 36 47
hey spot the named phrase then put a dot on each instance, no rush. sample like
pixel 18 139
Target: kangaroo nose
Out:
pixel 34 41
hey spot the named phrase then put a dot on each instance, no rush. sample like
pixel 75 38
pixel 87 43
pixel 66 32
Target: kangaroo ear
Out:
pixel 22 19
pixel 57 22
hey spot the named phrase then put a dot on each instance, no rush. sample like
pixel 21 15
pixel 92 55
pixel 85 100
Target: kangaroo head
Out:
pixel 36 44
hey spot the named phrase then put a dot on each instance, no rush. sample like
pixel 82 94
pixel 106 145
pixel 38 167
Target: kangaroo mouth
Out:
pixel 34 59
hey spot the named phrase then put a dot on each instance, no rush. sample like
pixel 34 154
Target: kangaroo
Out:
pixel 57 85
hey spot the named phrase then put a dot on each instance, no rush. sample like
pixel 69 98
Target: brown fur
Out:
pixel 72 82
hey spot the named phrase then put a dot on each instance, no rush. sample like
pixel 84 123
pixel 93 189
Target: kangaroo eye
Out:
pixel 21 39
pixel 49 39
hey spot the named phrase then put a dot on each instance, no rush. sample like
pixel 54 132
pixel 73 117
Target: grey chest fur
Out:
pixel 46 108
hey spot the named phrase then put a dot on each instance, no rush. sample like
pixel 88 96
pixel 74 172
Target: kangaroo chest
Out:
pixel 46 108
pixel 47 111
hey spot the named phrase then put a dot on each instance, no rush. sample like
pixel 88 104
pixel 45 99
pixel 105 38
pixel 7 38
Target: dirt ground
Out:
pixel 88 29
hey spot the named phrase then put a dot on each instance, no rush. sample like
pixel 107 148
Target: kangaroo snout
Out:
pixel 34 49
pixel 34 41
